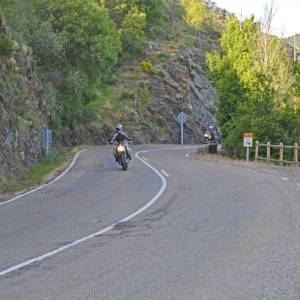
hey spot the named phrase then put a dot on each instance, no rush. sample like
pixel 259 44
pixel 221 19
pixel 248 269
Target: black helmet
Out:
pixel 119 128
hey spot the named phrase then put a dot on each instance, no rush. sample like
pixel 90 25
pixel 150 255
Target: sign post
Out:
pixel 47 140
pixel 248 143
pixel 181 118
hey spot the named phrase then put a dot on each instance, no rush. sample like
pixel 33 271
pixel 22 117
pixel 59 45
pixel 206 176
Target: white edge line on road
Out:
pixel 285 178
pixel 100 232
pixel 47 184
pixel 165 173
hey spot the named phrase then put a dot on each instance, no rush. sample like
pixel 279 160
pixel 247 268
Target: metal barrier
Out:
pixel 281 148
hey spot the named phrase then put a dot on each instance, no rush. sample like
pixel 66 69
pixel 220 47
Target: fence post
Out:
pixel 281 153
pixel 268 152
pixel 256 150
pixel 296 153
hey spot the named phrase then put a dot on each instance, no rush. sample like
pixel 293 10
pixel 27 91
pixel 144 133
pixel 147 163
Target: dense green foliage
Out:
pixel 196 12
pixel 133 32
pixel 256 87
pixel 76 46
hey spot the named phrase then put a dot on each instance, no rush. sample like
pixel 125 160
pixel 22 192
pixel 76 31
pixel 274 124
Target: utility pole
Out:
pixel 241 19
pixel 295 52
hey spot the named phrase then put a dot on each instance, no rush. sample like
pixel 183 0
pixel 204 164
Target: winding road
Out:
pixel 171 227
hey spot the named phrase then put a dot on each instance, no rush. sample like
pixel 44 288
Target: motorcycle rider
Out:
pixel 209 134
pixel 121 136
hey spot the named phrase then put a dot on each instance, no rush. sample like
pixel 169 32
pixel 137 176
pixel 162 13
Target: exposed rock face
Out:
pixel 21 116
pixel 177 85
pixel 182 85
pixel 17 149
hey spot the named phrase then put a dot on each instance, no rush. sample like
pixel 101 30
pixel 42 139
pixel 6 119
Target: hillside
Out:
pixel 22 107
pixel 147 101
pixel 149 90
pixel 159 71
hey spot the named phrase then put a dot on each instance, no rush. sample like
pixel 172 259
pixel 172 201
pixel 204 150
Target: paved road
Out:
pixel 217 232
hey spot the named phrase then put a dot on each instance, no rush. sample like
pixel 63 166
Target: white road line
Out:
pixel 100 232
pixel 285 178
pixel 47 184
pixel 298 184
pixel 249 169
pixel 165 173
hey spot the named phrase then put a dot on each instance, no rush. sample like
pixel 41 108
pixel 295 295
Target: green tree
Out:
pixel 93 42
pixel 255 89
pixel 154 11
pixel 133 33
pixel 195 13
pixel 75 45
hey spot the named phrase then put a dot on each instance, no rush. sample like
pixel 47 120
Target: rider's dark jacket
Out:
pixel 120 137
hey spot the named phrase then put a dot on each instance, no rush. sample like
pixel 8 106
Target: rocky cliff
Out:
pixel 177 82
pixel 21 108
pixel 146 100
pixel 183 86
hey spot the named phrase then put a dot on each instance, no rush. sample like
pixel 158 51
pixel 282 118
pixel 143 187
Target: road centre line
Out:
pixel 100 232
pixel 46 184
pixel 165 173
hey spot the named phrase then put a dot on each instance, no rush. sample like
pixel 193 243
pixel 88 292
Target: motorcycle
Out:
pixel 121 155
pixel 209 137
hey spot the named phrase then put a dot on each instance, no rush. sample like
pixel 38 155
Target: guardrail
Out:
pixel 281 148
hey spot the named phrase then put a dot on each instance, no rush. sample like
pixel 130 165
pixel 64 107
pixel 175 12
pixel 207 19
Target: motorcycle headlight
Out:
pixel 121 148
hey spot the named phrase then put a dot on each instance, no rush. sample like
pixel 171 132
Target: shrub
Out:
pixel 163 57
pixel 133 36
pixel 145 94
pixel 127 94
pixel 7 46
pixel 146 66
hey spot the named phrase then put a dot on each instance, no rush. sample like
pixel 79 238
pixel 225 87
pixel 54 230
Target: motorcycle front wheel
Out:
pixel 123 162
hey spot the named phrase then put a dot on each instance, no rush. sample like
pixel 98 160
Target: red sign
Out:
pixel 248 135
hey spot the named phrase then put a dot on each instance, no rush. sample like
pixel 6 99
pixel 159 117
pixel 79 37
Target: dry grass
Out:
pixel 292 173
pixel 41 173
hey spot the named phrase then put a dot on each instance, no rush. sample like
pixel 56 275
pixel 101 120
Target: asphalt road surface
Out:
pixel 171 227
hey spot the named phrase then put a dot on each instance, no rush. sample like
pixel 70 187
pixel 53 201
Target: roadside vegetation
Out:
pixel 88 56
pixel 40 173
pixel 258 85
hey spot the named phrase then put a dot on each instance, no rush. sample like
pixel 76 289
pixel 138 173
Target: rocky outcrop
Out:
pixel 180 85
pixel 22 112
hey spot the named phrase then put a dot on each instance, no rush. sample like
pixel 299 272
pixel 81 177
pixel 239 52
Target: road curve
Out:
pixel 217 232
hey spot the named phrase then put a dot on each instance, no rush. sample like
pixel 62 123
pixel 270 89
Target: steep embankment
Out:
pixel 146 92
pixel 150 91
pixel 21 107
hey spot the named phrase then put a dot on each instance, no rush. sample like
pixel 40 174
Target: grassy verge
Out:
pixel 42 172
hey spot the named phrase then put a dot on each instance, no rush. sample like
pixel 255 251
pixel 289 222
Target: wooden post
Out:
pixel 281 153
pixel 256 150
pixel 296 153
pixel 268 152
